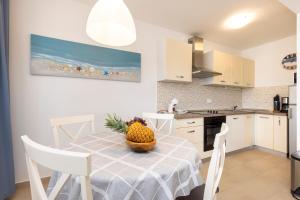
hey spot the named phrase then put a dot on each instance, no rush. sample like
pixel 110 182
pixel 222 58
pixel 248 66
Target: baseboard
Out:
pixel 273 152
pixel 240 150
pixel 231 153
pixel 45 181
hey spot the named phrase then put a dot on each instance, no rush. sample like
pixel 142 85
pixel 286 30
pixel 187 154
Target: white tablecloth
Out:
pixel 169 171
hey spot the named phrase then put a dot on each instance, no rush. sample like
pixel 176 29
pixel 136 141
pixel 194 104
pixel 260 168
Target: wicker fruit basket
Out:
pixel 141 147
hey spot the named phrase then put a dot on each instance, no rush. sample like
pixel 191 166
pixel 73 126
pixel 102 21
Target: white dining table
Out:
pixel 171 170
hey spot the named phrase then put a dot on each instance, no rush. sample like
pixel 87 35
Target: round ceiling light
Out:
pixel 239 21
pixel 110 23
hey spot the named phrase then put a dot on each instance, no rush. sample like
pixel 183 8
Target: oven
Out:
pixel 212 126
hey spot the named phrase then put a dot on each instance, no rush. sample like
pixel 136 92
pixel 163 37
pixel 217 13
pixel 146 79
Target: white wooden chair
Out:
pixel 68 163
pixel 158 121
pixel 216 165
pixel 59 123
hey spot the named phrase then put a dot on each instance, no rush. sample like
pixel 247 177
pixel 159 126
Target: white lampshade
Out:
pixel 111 23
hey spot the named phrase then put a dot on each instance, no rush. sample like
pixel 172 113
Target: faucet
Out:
pixel 234 108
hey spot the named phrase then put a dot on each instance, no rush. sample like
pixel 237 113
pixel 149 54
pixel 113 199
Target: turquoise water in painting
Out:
pixel 46 51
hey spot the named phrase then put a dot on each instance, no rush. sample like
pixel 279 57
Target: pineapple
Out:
pixel 136 130
pixel 116 123
pixel 139 133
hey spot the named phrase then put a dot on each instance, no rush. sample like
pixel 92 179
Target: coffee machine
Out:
pixel 276 103
pixel 284 104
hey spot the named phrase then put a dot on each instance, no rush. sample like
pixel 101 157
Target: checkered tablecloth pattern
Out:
pixel 169 171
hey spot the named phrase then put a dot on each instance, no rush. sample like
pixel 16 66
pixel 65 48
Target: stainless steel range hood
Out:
pixel 199 70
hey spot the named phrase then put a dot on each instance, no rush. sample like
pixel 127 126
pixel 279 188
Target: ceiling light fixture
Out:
pixel 239 21
pixel 110 23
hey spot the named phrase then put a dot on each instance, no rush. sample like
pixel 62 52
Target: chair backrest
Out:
pixel 69 163
pixel 59 123
pixel 216 164
pixel 158 121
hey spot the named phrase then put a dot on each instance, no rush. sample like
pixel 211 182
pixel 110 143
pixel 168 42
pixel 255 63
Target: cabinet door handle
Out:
pixel 179 76
pixel 223 81
pixel 263 117
pixel 193 122
pixel 235 118
pixel 236 83
pixel 193 131
pixel 279 122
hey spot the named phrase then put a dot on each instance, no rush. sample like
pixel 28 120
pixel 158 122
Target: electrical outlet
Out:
pixel 208 101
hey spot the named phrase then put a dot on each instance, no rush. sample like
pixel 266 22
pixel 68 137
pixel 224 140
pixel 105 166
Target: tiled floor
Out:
pixel 249 175
pixel 255 175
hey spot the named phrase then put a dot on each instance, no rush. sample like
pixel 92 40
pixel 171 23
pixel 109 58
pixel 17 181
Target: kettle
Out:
pixel 172 105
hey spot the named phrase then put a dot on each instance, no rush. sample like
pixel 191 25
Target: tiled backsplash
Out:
pixel 262 97
pixel 194 96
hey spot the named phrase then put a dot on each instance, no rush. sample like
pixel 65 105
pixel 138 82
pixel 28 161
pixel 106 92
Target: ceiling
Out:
pixel 206 17
pixel 293 5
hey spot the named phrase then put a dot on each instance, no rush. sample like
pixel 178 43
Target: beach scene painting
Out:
pixel 55 57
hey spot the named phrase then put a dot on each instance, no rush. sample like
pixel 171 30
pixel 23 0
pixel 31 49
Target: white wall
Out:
pixel 35 99
pixel 209 46
pixel 268 57
pixel 298 78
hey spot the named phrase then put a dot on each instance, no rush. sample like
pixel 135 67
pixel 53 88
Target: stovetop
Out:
pixel 209 111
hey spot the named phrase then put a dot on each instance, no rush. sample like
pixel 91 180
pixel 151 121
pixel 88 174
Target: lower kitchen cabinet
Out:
pixel 236 134
pixel 280 134
pixel 241 131
pixel 192 134
pixel 193 131
pixel 249 130
pixel 264 136
pixel 268 131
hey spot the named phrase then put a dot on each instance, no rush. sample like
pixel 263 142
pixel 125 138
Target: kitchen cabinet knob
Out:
pixel 263 117
pixel 193 122
pixel 223 81
pixel 180 76
pixel 235 118
pixel 193 131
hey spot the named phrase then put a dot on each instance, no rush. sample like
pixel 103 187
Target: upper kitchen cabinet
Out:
pixel 175 61
pixel 248 73
pixel 236 71
pixel 219 62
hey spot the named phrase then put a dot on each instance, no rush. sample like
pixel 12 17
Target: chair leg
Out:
pixel 86 189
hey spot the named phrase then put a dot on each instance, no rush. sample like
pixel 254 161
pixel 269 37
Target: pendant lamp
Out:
pixel 110 23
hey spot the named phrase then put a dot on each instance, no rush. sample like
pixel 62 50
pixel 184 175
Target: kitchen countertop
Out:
pixel 229 112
